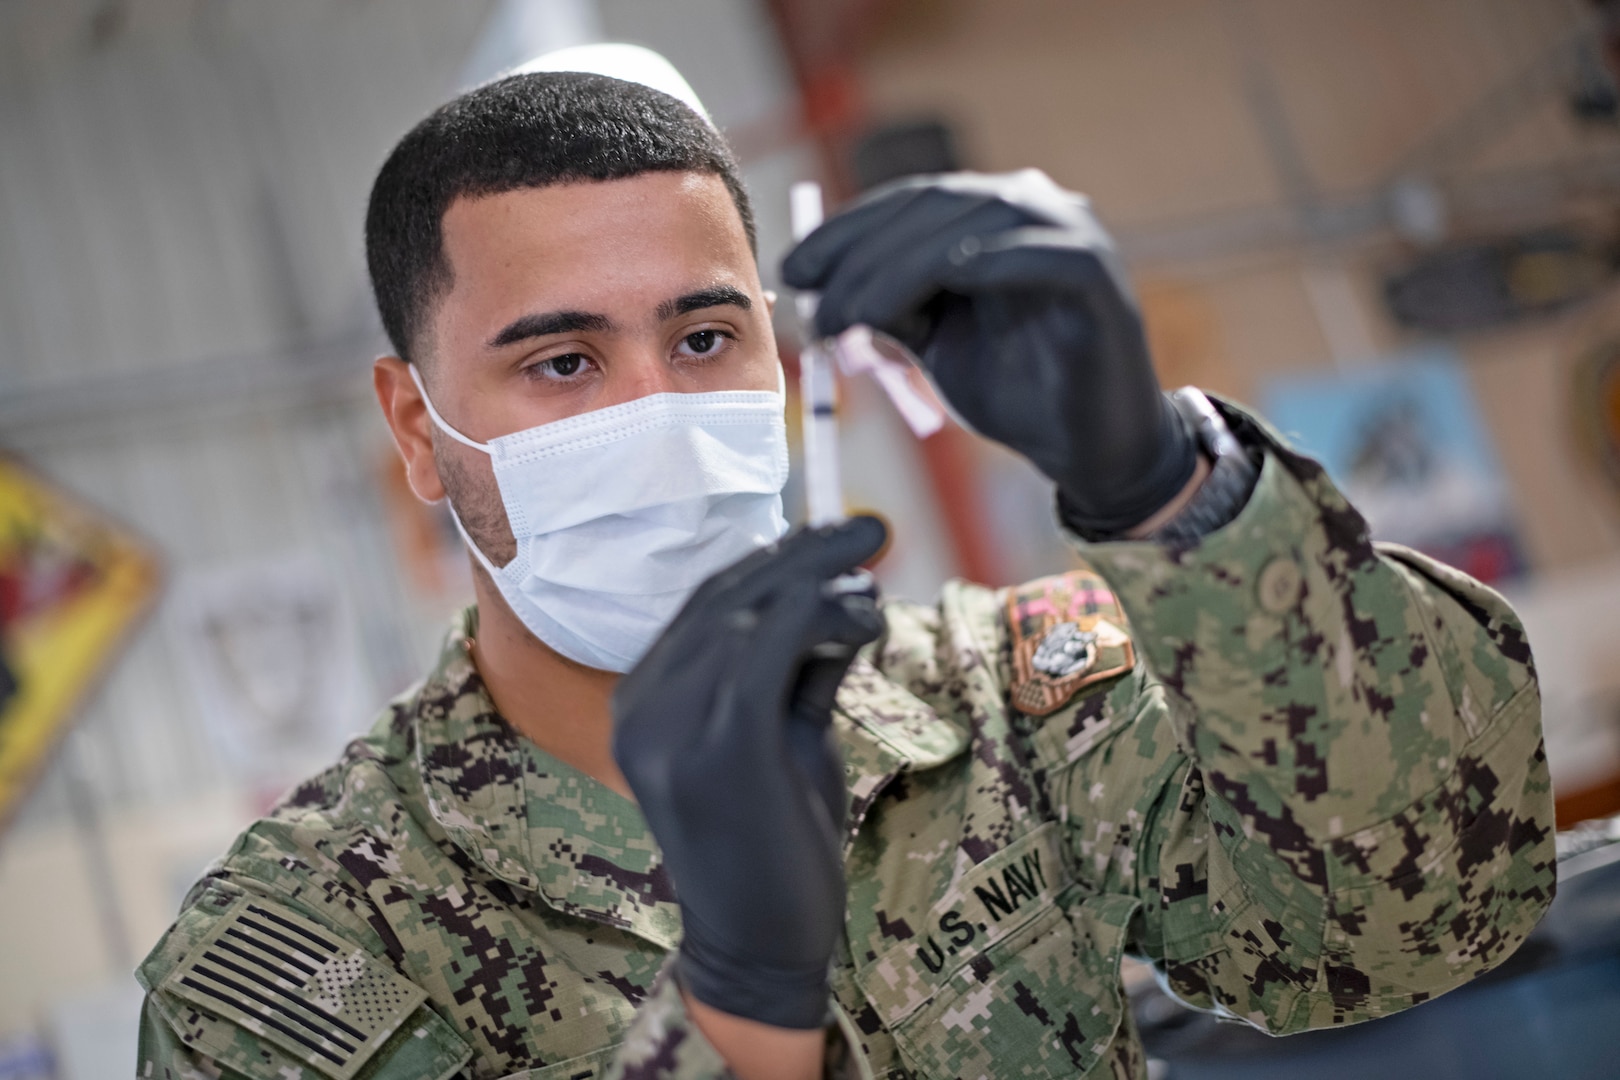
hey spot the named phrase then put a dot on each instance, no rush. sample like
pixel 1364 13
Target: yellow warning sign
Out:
pixel 72 585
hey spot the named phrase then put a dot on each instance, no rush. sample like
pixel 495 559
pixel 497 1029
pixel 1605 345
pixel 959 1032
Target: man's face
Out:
pixel 572 298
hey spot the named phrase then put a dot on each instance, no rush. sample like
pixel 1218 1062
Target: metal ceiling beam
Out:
pixel 1508 198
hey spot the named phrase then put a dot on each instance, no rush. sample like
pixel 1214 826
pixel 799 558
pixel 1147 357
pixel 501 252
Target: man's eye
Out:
pixel 559 369
pixel 703 342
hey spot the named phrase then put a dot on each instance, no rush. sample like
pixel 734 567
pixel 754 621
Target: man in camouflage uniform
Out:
pixel 1299 772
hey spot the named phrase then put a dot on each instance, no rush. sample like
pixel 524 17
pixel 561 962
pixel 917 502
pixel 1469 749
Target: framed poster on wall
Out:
pixel 73 583
pixel 1405 442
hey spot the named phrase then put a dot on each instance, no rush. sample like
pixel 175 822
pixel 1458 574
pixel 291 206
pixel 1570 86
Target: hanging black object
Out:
pixel 1492 283
pixel 905 148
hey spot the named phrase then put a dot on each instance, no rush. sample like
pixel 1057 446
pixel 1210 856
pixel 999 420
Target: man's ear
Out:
pixel 407 417
pixel 770 304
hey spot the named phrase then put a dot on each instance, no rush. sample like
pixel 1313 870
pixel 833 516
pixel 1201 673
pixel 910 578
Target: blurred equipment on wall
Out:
pixel 1405 443
pixel 268 657
pixel 1594 97
pixel 1595 409
pixel 73 584
pixel 1492 283
pixel 904 148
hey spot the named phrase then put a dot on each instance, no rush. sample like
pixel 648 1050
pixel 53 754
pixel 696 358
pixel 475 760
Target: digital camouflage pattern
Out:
pixel 1315 794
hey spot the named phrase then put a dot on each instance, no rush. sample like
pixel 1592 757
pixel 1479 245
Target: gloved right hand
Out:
pixel 723 731
pixel 1009 291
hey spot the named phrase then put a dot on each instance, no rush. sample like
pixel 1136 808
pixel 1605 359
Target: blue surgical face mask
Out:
pixel 619 514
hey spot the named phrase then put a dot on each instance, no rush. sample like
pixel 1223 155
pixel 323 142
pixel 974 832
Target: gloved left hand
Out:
pixel 1007 289
pixel 724 732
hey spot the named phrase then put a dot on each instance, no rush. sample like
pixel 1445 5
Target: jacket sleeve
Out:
pixel 1362 818
pixel 161 1055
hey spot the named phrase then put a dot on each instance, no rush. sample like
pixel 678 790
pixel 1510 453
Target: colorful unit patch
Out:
pixel 1067 633
pixel 288 981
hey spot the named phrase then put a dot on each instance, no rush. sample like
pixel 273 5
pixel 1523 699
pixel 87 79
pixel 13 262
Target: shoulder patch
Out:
pixel 1067 632
pixel 293 984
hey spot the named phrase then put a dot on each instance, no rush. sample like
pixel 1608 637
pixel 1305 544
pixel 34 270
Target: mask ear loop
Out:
pixel 483 560
pixel 438 420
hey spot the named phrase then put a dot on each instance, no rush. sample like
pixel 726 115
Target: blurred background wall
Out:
pixel 1311 195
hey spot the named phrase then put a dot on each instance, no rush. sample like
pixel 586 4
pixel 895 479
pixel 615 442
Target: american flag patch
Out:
pixel 296 985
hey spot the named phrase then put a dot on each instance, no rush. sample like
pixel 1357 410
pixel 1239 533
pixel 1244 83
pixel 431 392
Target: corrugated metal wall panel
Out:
pixel 184 200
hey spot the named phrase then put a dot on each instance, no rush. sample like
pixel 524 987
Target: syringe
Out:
pixel 818 386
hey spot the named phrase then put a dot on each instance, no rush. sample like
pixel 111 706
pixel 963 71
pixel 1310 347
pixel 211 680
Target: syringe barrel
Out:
pixel 823 481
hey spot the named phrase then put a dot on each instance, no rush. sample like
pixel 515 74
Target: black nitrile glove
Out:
pixel 724 732
pixel 1007 290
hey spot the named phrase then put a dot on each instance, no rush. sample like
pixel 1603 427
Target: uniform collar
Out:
pixel 529 819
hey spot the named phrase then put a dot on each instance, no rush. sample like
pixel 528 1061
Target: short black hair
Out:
pixel 523 131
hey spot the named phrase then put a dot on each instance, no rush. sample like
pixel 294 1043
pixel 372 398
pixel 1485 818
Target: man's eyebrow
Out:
pixel 713 296
pixel 545 323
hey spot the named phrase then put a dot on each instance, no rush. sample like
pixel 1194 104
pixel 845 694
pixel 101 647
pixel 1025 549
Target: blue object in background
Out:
pixel 1322 414
pixel 1404 441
